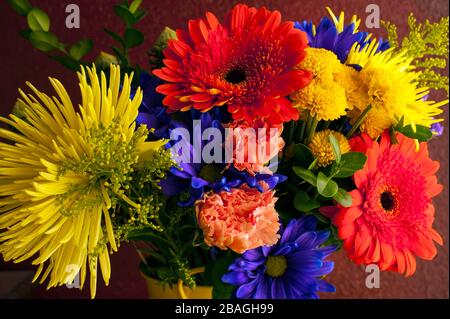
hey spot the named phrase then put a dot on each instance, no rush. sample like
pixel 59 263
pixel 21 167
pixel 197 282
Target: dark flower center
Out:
pixel 387 200
pixel 235 76
pixel 276 266
pixel 210 173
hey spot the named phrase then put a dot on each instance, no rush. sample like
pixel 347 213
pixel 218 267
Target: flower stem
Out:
pixel 291 129
pixel 302 131
pixel 359 120
pixel 312 129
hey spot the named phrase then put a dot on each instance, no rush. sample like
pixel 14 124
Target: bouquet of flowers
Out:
pixel 249 151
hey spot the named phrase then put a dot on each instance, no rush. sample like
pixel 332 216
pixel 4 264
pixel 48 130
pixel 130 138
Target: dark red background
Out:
pixel 20 62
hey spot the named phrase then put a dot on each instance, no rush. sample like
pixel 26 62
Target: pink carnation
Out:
pixel 241 219
pixel 254 144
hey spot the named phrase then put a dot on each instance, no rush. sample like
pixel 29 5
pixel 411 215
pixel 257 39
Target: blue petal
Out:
pixel 253 254
pixel 278 289
pixel 327 267
pixel 247 290
pixel 263 289
pixel 172 185
pixel 236 278
pixel 197 182
pixel 324 286
pixel 327 250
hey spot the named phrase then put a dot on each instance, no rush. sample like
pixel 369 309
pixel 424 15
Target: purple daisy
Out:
pixel 326 36
pixel 291 269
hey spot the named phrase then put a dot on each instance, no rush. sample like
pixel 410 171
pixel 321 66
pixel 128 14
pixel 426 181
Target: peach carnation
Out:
pixel 241 219
pixel 253 145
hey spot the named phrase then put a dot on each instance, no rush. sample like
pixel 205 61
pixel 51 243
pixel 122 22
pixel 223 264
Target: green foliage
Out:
pixel 420 133
pixel 304 203
pixel 44 41
pixel 80 49
pixel 302 155
pixel 38 20
pixel 130 14
pixel 133 38
pixel 427 45
pixel 156 52
pixel 326 186
pixel 306 175
pixel 215 269
pixel 21 6
pixel 349 164
pixel 40 36
pixel 336 148
pixel 343 197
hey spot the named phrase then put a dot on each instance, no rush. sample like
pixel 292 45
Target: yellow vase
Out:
pixel 157 291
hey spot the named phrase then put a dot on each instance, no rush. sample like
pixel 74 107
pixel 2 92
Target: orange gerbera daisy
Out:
pixel 246 63
pixel 390 220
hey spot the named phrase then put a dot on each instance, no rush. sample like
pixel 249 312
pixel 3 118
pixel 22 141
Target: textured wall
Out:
pixel 20 63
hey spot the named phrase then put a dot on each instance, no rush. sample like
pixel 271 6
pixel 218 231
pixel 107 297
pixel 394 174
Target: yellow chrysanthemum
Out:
pixel 347 77
pixel 324 97
pixel 64 171
pixel 321 147
pixel 388 81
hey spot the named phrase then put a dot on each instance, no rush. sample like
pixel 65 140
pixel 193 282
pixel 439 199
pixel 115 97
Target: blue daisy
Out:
pixel 327 36
pixel 291 269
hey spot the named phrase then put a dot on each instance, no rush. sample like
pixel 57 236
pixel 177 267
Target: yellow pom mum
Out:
pixel 388 84
pixel 57 176
pixel 324 97
pixel 321 63
pixel 321 147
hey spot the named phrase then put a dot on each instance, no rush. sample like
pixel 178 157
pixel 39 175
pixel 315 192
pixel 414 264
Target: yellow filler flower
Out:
pixel 63 174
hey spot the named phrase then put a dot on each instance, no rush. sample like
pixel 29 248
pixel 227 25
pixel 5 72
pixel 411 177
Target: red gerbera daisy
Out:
pixel 246 63
pixel 390 221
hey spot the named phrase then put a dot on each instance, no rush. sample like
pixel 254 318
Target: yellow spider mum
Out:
pixel 63 174
pixel 321 147
pixel 388 81
pixel 324 97
pixel 339 22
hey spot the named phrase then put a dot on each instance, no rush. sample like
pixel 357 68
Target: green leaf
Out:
pixel 133 38
pixel 25 33
pixel 303 154
pixel 124 13
pixel 221 290
pixel 115 36
pixel 162 40
pixel 304 203
pixel 336 148
pixel 44 41
pixel 326 186
pixel 104 59
pixel 305 174
pixel 422 133
pixel 119 54
pixel 38 20
pixel 139 15
pixel 67 61
pixel 350 163
pixel 343 198
pixel 134 6
pixel 80 49
pixel 21 6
